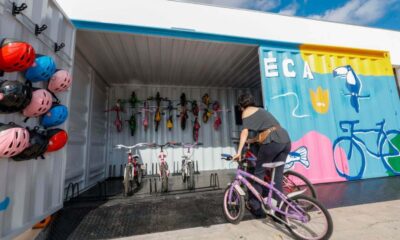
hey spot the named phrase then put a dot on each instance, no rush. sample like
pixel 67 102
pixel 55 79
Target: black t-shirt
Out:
pixel 262 120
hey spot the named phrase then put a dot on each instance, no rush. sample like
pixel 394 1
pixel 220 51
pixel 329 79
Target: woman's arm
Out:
pixel 243 137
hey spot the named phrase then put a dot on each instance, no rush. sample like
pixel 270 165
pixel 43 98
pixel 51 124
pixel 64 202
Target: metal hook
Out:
pixel 58 47
pixel 17 10
pixel 39 30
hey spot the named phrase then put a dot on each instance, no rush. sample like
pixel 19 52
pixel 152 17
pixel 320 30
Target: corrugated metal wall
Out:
pixel 34 188
pixel 215 141
pixel 86 148
pixel 332 101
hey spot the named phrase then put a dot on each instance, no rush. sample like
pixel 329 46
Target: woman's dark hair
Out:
pixel 246 100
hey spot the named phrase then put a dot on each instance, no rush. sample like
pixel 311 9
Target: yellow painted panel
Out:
pixel 323 59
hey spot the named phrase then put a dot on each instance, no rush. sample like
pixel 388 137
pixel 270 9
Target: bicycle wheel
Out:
pixel 164 178
pixel 127 182
pixel 138 177
pixel 234 207
pixel 294 181
pixel 344 148
pixel 183 172
pixel 190 177
pixel 390 152
pixel 317 223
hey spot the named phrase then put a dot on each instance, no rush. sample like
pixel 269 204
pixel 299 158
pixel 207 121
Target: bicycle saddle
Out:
pixel 273 165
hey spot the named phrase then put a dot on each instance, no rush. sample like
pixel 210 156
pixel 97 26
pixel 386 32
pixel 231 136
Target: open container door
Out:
pixel 340 107
pixel 32 190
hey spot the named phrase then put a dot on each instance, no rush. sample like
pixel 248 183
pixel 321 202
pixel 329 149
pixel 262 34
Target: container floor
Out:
pixel 102 217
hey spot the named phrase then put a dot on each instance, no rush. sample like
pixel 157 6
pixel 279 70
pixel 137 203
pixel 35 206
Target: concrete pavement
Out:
pixel 372 221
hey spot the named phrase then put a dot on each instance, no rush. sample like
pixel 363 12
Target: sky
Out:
pixel 374 13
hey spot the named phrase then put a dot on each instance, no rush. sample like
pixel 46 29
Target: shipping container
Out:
pixel 337 98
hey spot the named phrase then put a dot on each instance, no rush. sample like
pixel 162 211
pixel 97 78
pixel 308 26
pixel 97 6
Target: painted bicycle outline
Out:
pixel 382 138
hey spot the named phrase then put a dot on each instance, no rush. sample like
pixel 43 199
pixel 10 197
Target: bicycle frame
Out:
pixel 382 136
pixel 241 179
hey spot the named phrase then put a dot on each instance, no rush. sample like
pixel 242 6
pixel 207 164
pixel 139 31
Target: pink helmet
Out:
pixel 13 139
pixel 60 81
pixel 41 103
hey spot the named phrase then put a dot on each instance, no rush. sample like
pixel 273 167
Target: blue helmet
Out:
pixel 42 70
pixel 55 116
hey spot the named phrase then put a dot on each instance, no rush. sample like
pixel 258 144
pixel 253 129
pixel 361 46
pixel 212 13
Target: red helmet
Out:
pixel 57 139
pixel 15 55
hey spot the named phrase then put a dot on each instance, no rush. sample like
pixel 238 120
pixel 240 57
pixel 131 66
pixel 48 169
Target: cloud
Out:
pixel 262 5
pixel 290 9
pixel 357 12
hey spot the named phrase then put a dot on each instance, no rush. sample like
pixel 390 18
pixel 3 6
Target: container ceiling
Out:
pixel 126 58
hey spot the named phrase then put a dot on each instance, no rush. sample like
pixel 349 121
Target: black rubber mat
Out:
pixel 121 217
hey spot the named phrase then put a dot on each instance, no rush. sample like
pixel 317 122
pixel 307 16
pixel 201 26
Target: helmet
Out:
pixel 38 143
pixel 60 81
pixel 15 55
pixel 42 70
pixel 57 139
pixel 13 139
pixel 14 96
pixel 41 103
pixel 55 116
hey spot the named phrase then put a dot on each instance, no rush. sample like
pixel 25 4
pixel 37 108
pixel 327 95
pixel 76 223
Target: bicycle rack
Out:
pixel 72 186
pixel 153 181
pixel 102 186
pixel 146 170
pixel 176 169
pixel 214 180
pixel 121 170
pixel 152 168
pixel 113 175
pixel 197 168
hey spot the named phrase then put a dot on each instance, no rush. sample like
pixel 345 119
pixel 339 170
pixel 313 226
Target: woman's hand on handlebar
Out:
pixel 237 157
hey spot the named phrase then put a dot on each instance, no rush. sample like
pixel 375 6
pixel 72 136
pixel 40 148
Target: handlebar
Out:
pixel 120 146
pixel 228 157
pixel 191 145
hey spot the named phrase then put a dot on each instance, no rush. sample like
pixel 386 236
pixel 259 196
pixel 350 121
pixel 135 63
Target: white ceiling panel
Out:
pixel 127 58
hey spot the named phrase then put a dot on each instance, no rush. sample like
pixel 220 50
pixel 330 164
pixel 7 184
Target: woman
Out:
pixel 274 148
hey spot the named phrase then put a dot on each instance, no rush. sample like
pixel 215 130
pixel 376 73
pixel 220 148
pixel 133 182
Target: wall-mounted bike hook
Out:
pixel 39 30
pixel 17 10
pixel 58 47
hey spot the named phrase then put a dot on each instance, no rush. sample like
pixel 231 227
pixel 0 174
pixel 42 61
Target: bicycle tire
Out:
pixel 317 205
pixel 127 181
pixel 361 170
pixel 164 179
pixel 385 156
pixel 190 180
pixel 296 187
pixel 240 206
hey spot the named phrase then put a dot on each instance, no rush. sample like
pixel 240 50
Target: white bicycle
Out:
pixel 133 171
pixel 188 164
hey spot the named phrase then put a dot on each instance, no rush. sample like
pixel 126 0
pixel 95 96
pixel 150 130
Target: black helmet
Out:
pixel 38 142
pixel 14 96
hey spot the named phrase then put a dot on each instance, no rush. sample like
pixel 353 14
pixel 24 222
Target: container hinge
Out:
pixel 58 47
pixel 39 30
pixel 17 10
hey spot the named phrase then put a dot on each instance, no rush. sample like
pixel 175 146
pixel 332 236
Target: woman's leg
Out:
pixel 267 153
pixel 278 180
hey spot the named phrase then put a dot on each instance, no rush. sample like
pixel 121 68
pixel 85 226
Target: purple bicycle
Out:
pixel 303 216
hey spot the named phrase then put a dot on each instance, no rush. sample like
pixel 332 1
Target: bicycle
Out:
pixel 133 169
pixel 290 211
pixel 164 171
pixel 292 181
pixel 351 146
pixel 188 165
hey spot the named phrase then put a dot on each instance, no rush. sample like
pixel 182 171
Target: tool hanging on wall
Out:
pixel 207 112
pixel 196 125
pixel 217 109
pixel 157 115
pixel 183 114
pixel 133 100
pixel 170 122
pixel 117 108
pixel 132 123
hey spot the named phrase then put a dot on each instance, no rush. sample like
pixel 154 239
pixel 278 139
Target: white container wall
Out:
pixel 214 142
pixel 86 148
pixel 32 190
